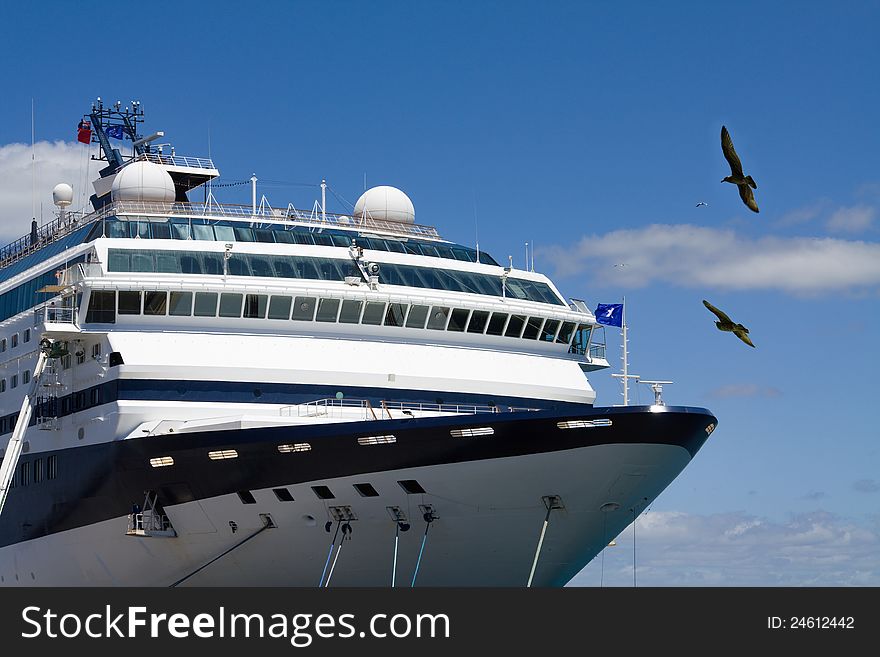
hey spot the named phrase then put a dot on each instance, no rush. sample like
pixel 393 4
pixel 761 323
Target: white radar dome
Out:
pixel 62 195
pixel 143 181
pixel 385 204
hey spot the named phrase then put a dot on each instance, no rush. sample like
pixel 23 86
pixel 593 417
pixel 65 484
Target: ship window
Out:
pixel 486 259
pixel 230 304
pixel 246 497
pixel 115 228
pixel 129 302
pixel 533 327
pixel 38 470
pixel 160 230
pixel 549 331
pixel 411 487
pixel 283 494
pixel 366 490
pixel 261 265
pixel 302 238
pixel 25 376
pixel 212 263
pixel 51 467
pixel 3 345
pixel 279 307
pixel 429 250
pixel 283 269
pixel 478 321
pixel 206 304
pixel 243 234
pixel 167 263
pixel 373 313
pixel 438 318
pixel 65 362
pixel 96 350
pixel 412 247
pixel 25 474
pixel 304 308
pixel 395 314
pixel 341 240
pixel 255 306
pixel 2 385
pixel 102 309
pixel 581 339
pixel 26 336
pixel 238 265
pixel 565 332
pixel 155 303
pixel 13 381
pixel 458 319
pixel 189 264
pixel 181 304
pixel 350 312
pixel 283 236
pixel 461 254
pixel 394 246
pixel 515 326
pixel 142 261
pixel 264 235
pixel 180 229
pixel 417 317
pixel 323 492
pixel 322 240
pixel 328 309
pixel 14 340
pixel 496 324
pixel 224 233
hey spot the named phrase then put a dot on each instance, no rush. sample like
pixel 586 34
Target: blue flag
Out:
pixel 114 131
pixel 610 314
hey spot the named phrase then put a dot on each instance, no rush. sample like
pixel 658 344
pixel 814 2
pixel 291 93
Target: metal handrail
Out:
pixel 72 221
pixel 320 407
pixel 177 160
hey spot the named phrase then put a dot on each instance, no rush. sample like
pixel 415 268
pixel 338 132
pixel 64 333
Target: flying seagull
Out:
pixel 702 203
pixel 726 324
pixel 743 183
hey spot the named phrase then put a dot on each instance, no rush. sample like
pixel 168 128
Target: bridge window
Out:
pixel 439 317
pixel 206 304
pixel 515 326
pixel 478 321
pixel 565 332
pixel 129 303
pixel 417 317
pixel 549 331
pixel 395 314
pixel 155 303
pixel 255 306
pixel 102 309
pixel 328 309
pixel 350 312
pixel 533 327
pixel 304 309
pixel 373 313
pixel 230 304
pixel 279 307
pixel 181 304
pixel 496 324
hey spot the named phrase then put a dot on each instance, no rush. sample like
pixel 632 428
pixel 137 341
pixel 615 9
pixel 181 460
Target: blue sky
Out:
pixel 591 129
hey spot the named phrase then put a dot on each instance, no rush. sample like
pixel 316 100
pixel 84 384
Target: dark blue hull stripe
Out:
pixel 100 482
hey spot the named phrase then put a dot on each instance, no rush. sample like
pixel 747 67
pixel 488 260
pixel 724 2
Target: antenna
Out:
pixel 526 267
pixel 476 225
pixel 33 166
pixel 657 387
pixel 533 255
pixel 625 376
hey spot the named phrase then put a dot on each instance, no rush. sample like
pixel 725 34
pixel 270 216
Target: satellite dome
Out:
pixel 143 181
pixel 385 204
pixel 62 195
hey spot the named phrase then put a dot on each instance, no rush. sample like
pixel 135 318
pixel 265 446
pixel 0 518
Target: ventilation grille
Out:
pixel 472 432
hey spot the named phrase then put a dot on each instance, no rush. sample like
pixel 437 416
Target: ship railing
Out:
pixel 71 221
pixel 177 160
pixel 149 523
pixel 50 313
pixel 387 410
pixel 313 218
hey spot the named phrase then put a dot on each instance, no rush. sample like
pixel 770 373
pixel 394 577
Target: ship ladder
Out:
pixel 16 440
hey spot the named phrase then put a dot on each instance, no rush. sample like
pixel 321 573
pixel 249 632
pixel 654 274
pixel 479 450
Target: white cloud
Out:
pixel 867 486
pixel 735 549
pixel 854 219
pixel 55 162
pixel 697 256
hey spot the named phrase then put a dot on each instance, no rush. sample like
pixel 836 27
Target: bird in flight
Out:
pixel 727 324
pixel 702 203
pixel 745 184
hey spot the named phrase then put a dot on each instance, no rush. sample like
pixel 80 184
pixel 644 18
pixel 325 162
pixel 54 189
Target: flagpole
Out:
pixel 625 359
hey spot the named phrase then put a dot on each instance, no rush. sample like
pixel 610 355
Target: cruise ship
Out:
pixel 204 394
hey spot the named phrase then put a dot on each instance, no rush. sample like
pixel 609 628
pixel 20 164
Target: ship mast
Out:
pixel 625 375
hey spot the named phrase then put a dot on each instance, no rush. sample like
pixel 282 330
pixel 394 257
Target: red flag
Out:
pixel 84 132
